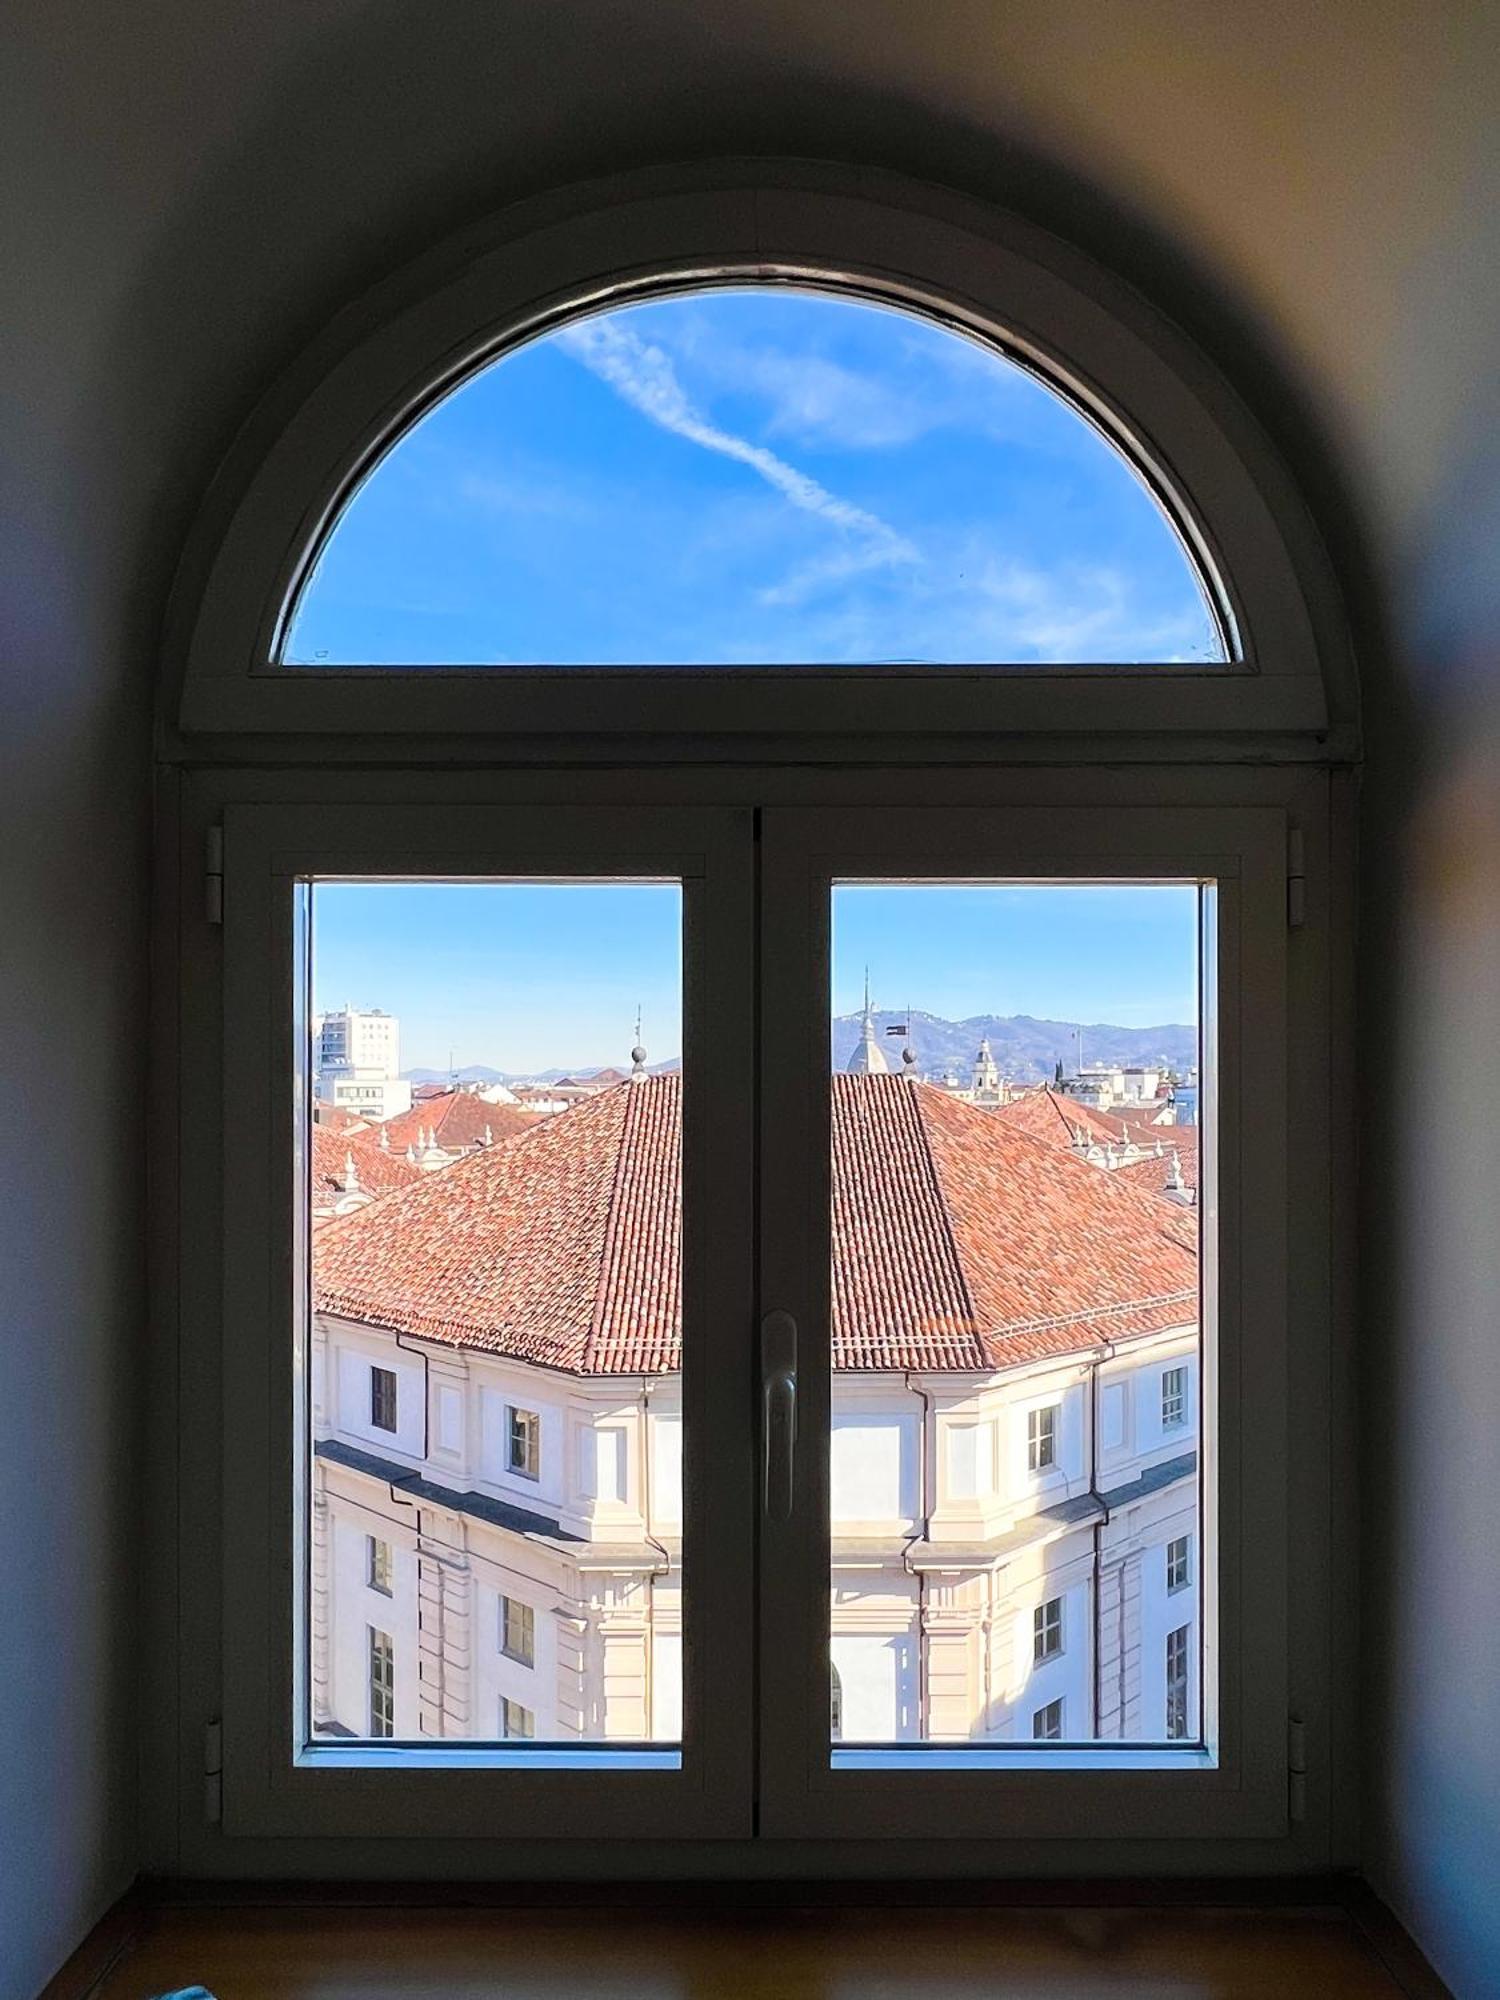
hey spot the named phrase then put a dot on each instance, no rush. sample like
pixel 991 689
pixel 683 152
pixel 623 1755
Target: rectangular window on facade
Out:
pixel 1047 1631
pixel 1041 1438
pixel 1173 1398
pixel 1047 1723
pixel 1179 1564
pixel 516 1721
pixel 382 1684
pixel 518 1631
pixel 523 1452
pixel 383 1399
pixel 1177 1684
pixel 378 1564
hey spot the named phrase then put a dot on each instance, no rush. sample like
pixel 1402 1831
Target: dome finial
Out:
pixel 638 1053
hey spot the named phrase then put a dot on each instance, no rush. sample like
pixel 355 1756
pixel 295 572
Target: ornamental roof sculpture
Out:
pixel 958 1242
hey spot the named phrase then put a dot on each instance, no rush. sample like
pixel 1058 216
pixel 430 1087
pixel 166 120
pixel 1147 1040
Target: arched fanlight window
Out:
pixel 753 475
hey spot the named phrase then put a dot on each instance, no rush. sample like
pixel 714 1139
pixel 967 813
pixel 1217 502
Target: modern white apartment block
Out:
pixel 357 1062
pixel 498 1437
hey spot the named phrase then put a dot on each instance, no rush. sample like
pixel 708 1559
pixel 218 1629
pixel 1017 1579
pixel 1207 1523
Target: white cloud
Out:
pixel 643 375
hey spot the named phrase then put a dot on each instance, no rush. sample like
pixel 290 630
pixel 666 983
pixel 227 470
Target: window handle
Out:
pixel 778 1361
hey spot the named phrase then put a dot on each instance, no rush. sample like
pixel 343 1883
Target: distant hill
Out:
pixel 1025 1049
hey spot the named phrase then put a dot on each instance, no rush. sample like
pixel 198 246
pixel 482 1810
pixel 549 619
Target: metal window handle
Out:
pixel 778 1361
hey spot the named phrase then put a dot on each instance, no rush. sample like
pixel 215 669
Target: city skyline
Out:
pixel 527 977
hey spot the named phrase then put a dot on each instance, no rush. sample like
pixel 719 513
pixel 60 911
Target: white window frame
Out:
pixel 871 235
pixel 1043 1625
pixel 380 1560
pixel 523 1427
pixel 1043 1715
pixel 385 1385
pixel 1235 1783
pixel 1185 1579
pixel 516 1711
pixel 1041 1438
pixel 381 1648
pixel 277 1779
pixel 524 1654
pixel 1178 1396
pixel 238 741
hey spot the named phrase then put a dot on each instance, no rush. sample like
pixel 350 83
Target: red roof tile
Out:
pixel 1050 1114
pixel 457 1119
pixel 957 1241
pixel 376 1170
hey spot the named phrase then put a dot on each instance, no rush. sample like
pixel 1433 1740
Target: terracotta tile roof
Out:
pixel 376 1170
pixel 1050 1114
pixel 958 1242
pixel 337 1119
pixel 457 1119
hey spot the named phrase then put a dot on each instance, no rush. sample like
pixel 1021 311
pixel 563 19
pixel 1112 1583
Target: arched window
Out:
pixel 712 604
pixel 754 476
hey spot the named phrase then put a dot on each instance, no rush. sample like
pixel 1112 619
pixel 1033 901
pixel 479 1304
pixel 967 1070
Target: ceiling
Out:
pixel 192 188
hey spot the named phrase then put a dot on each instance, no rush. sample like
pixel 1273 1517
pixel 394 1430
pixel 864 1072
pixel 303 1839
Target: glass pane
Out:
pixel 751 476
pixel 494 1419
pixel 1016 1458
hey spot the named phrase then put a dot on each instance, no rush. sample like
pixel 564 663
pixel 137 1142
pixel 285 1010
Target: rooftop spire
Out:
pixel 638 1053
pixel 868 1058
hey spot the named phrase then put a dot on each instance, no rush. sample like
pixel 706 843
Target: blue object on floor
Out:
pixel 186 1993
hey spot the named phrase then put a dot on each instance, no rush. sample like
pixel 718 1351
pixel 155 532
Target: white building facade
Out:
pixel 497 1538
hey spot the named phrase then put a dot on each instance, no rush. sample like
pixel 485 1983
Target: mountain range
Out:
pixel 1025 1048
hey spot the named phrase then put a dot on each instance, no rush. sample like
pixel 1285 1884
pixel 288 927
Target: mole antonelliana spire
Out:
pixel 868 1058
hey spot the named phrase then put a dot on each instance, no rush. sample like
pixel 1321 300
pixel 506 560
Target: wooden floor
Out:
pixel 281 1953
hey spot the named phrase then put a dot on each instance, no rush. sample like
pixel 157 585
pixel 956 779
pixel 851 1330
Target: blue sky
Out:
pixel 751 475
pixel 528 977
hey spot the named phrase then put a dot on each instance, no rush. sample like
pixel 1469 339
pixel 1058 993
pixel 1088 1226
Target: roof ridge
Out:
pixel 940 1191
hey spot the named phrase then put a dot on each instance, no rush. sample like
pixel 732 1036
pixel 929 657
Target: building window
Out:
pixel 1041 1438
pixel 382 1684
pixel 835 1703
pixel 383 1399
pixel 1173 1398
pixel 1047 1631
pixel 379 1566
pixel 516 1721
pixel 518 1631
pixel 1177 1684
pixel 1179 1564
pixel 1047 1723
pixel 523 1453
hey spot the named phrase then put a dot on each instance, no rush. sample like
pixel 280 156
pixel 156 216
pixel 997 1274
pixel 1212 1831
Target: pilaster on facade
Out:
pixel 1119 1629
pixel 577 1715
pixel 951 1620
pixel 622 1634
pixel 444 1628
pixel 320 1608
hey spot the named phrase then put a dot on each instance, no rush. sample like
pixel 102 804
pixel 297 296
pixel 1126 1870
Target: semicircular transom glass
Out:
pixel 752 476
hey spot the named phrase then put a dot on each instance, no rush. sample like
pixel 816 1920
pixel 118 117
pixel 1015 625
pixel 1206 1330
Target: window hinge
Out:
pixel 1296 879
pixel 1296 1768
pixel 213 875
pixel 213 1772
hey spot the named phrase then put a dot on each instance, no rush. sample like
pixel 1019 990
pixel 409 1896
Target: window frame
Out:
pixel 876 236
pixel 201 1439
pixel 375 1564
pixel 525 1656
pixel 384 1392
pixel 232 738
pixel 276 1781
pixel 1043 1626
pixel 1236 1786
pixel 523 1426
